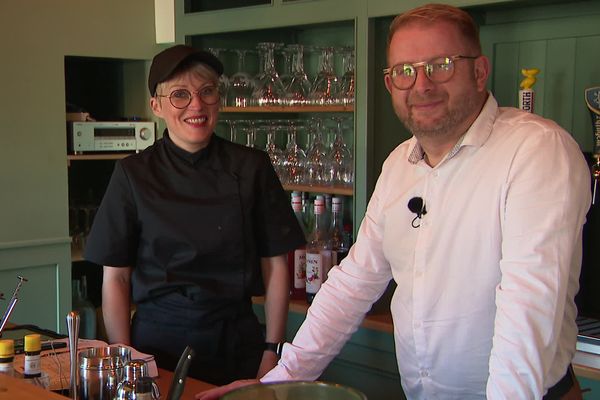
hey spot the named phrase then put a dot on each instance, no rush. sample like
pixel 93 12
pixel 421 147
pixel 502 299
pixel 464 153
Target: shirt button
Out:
pixel 435 174
pixel 418 324
pixel 424 373
pixel 418 274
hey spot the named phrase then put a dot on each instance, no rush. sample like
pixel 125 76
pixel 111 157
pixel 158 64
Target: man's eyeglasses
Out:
pixel 438 70
pixel 181 98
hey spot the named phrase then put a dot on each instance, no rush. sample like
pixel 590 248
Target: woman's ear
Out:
pixel 156 106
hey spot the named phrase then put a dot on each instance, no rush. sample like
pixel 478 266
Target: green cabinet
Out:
pixel 367 362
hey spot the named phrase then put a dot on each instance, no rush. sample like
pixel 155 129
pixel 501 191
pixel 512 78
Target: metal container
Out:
pixel 295 391
pixel 136 384
pixel 100 371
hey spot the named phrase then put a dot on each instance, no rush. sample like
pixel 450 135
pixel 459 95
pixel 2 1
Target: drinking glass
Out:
pixel 269 90
pixel 276 155
pixel 241 84
pixel 223 79
pixel 294 157
pixel 325 88
pixel 340 163
pixel 286 74
pixel 315 173
pixel 298 90
pixel 250 132
pixel 347 82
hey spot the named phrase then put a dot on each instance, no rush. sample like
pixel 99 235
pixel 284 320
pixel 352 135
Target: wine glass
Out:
pixel 346 94
pixel 314 173
pixel 241 84
pixel 250 132
pixel 269 90
pixel 223 79
pixel 294 157
pixel 340 163
pixel 298 89
pixel 325 87
pixel 286 75
pixel 276 155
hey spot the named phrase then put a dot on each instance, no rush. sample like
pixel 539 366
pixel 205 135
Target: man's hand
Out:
pixel 217 392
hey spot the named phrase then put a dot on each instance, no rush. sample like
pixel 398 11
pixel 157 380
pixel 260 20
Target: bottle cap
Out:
pixel 7 348
pixel 33 342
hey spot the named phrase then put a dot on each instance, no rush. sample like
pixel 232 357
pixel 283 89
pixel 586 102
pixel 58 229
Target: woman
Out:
pixel 189 230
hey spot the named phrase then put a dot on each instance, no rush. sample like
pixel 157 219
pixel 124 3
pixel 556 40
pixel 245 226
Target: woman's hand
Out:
pixel 215 393
pixel 268 362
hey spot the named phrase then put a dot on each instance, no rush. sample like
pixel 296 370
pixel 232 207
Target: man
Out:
pixel 189 230
pixel 478 218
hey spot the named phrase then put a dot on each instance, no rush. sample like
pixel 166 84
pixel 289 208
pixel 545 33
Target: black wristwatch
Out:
pixel 276 348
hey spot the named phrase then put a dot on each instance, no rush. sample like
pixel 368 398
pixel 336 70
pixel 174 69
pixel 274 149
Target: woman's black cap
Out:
pixel 165 62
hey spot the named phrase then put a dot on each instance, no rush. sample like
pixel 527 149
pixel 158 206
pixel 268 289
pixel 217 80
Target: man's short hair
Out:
pixel 431 13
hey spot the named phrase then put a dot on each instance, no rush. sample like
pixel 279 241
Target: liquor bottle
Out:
pixel 297 257
pixel 327 213
pixel 318 253
pixel 33 347
pixel 7 357
pixel 339 244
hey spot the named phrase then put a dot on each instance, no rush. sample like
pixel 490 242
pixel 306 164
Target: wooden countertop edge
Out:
pixel 381 322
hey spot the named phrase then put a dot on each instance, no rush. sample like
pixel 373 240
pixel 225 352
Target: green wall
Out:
pixel 36 37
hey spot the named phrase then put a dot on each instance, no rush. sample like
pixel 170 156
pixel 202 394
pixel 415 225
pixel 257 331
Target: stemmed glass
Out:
pixel 346 94
pixel 223 79
pixel 240 83
pixel 250 132
pixel 340 164
pixel 295 158
pixel 314 173
pixel 298 90
pixel 275 154
pixel 286 75
pixel 234 128
pixel 269 90
pixel 325 87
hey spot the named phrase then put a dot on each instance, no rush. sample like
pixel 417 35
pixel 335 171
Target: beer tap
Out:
pixel 592 100
pixel 11 303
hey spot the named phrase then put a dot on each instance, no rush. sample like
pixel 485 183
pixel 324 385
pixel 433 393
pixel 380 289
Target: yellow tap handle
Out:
pixel 530 79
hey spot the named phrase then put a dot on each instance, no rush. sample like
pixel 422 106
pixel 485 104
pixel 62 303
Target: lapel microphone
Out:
pixel 417 206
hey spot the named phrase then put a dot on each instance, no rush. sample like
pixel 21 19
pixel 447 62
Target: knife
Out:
pixel 181 371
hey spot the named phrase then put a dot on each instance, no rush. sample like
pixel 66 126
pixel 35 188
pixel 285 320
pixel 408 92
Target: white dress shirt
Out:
pixel 484 306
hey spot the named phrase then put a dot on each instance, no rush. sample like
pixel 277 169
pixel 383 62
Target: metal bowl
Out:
pixel 295 391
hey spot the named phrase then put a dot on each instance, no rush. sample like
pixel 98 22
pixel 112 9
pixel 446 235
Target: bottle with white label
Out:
pixel 318 252
pixel 33 347
pixel 339 246
pixel 7 357
pixel 297 257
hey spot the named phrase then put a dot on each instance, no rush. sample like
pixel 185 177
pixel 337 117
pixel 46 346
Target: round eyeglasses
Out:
pixel 438 70
pixel 181 98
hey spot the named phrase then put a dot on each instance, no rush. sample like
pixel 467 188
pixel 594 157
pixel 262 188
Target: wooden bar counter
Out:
pixel 13 388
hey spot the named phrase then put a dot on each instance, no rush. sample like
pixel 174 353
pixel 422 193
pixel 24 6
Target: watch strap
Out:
pixel 276 348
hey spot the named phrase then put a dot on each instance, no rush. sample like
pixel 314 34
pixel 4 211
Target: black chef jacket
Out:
pixel 194 227
pixel 199 221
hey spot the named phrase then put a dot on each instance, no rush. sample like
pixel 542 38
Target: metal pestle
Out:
pixel 73 331
pixel 11 304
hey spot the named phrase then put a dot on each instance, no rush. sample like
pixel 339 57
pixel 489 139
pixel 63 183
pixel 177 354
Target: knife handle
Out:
pixel 181 371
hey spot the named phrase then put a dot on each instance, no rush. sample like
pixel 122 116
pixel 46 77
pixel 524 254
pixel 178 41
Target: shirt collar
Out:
pixel 192 158
pixel 476 135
